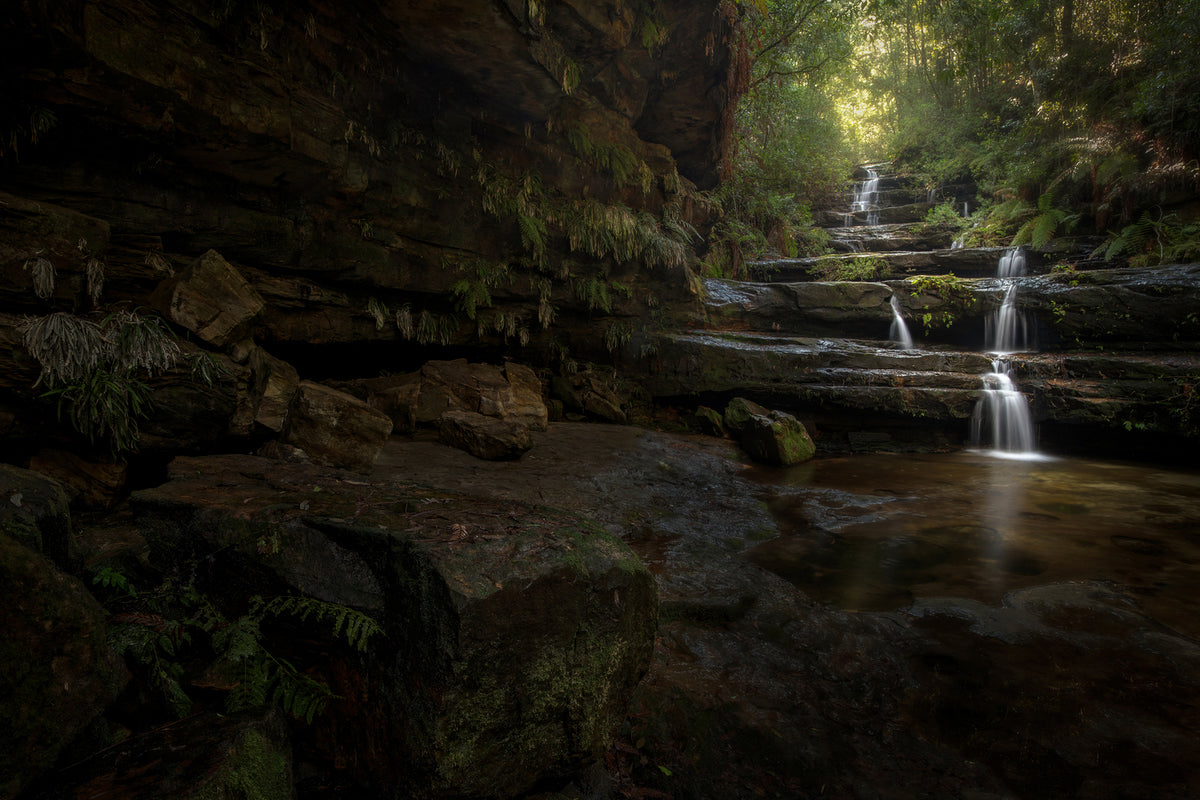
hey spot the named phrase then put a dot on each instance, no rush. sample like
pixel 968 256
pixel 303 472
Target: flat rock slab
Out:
pixel 514 635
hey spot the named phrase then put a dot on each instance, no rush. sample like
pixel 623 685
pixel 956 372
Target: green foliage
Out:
pixel 105 407
pixel 613 157
pixel 92 370
pixel 944 215
pixel 20 124
pixel 1039 230
pixel 618 335
pixel 854 268
pixel 1153 240
pixel 955 295
pixel 379 312
pixel 167 631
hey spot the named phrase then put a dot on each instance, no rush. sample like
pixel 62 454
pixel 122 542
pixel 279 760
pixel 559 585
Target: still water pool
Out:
pixel 876 532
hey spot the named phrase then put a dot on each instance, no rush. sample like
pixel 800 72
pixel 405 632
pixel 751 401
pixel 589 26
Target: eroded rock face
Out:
pixel 257 132
pixel 514 635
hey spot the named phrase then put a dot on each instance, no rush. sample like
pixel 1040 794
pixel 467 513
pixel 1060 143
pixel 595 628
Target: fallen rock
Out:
pixel 334 428
pixel 514 635
pixel 511 393
pixel 211 299
pixel 274 384
pixel 772 437
pixel 484 437
pixel 56 667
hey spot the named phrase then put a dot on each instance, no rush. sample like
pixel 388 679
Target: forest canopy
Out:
pixel 1062 112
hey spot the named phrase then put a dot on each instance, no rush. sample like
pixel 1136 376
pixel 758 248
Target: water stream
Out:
pixel 866 194
pixel 899 332
pixel 1002 418
pixel 877 532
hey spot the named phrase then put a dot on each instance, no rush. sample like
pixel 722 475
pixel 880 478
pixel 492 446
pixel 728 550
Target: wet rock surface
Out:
pixel 514 635
pixel 756 687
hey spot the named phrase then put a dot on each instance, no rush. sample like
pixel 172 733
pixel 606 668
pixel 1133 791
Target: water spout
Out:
pixel 899 332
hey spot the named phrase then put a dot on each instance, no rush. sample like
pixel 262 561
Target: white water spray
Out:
pixel 866 194
pixel 899 332
pixel 1002 413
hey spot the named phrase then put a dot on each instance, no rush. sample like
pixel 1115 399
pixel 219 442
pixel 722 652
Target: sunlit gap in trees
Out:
pixel 865 114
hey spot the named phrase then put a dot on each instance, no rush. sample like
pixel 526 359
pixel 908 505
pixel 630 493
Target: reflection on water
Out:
pixel 876 532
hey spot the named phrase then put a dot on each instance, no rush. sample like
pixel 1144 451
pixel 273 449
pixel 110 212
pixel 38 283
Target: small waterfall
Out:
pixel 866 195
pixel 1009 330
pixel 1012 263
pixel 1007 411
pixel 966 209
pixel 1002 410
pixel 899 332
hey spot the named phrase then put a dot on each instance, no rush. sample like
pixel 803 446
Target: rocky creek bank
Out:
pixel 592 619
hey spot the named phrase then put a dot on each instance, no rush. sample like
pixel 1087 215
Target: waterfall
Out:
pixel 865 197
pixel 1011 427
pixel 1002 410
pixel 1008 330
pixel 899 332
pixel 966 209
pixel 1012 263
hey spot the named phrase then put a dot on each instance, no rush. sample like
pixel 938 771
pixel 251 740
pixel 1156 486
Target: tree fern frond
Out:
pixel 359 627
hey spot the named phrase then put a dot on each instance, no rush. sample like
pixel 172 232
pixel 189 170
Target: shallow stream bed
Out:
pixel 875 532
pixel 888 626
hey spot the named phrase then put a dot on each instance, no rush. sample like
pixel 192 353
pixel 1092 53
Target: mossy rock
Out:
pixel 772 437
pixel 56 667
pixel 515 635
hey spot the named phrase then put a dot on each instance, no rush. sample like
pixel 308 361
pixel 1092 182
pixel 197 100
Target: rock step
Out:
pixel 974 262
pixel 900 236
pixel 840 377
pixel 1148 309
pixel 910 212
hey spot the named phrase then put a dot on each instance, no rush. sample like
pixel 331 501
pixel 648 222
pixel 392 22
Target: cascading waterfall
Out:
pixel 899 332
pixel 866 194
pixel 1012 263
pixel 1002 411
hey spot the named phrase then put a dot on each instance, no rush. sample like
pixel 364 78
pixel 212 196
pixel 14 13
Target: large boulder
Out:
pixel 57 671
pixel 772 437
pixel 211 299
pixel 274 383
pixel 484 437
pixel 512 393
pixel 334 428
pixel 514 635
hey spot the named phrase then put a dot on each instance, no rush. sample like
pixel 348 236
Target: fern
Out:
pixel 379 312
pixel 44 276
pixel 356 627
pixel 1039 230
